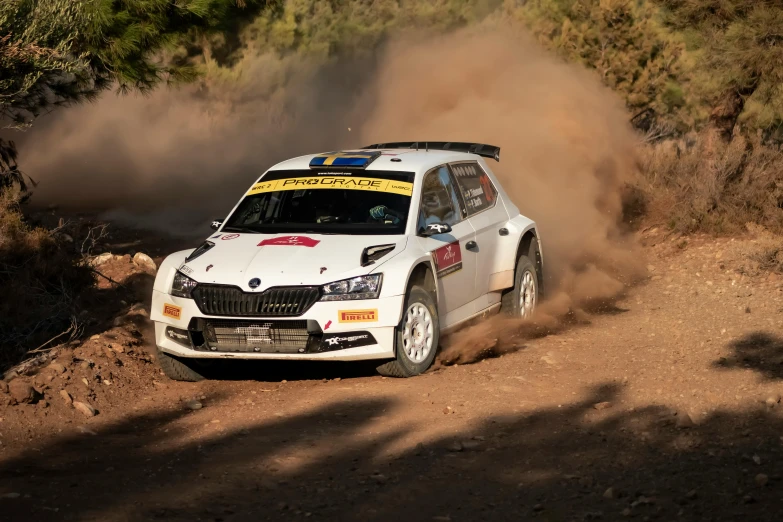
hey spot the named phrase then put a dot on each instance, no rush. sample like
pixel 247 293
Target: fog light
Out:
pixel 179 336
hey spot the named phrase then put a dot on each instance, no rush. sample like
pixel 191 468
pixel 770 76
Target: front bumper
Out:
pixel 327 331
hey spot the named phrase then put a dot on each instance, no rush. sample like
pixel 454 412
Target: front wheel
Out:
pixel 417 336
pixel 178 369
pixel 521 300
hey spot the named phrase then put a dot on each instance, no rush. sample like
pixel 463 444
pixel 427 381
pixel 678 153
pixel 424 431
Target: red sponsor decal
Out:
pixel 487 186
pixel 448 259
pixel 229 236
pixel 291 241
pixel 328 324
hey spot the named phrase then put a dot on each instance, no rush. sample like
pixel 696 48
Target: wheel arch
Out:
pixel 529 246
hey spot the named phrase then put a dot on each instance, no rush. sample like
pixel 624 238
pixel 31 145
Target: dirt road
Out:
pixel 665 407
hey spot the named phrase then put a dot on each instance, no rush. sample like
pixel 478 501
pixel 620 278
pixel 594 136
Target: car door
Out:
pixel 487 218
pixel 454 259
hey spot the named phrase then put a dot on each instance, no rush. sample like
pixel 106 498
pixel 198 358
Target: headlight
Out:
pixel 182 285
pixel 362 287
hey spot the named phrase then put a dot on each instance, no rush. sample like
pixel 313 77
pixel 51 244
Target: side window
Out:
pixel 475 186
pixel 439 203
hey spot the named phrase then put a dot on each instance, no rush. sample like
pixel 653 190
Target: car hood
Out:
pixel 286 259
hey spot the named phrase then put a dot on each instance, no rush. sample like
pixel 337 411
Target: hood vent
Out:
pixel 372 254
pixel 199 251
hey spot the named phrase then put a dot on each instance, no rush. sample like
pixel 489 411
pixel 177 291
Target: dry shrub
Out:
pixel 762 252
pixel 40 282
pixel 701 184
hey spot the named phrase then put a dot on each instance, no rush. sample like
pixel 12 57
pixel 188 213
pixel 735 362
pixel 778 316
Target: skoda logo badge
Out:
pixel 254 283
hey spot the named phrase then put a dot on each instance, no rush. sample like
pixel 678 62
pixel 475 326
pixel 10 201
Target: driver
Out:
pixel 382 212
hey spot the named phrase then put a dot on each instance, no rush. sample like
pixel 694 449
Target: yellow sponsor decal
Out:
pixel 357 316
pixel 173 311
pixel 333 182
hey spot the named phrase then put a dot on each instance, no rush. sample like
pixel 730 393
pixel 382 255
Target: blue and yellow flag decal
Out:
pixel 357 159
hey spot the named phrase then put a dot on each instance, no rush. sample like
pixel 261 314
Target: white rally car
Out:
pixel 351 255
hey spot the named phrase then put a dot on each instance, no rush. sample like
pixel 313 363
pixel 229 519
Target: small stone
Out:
pixel 470 445
pixel 145 262
pixel 447 410
pixel 66 397
pixel 609 493
pixel 11 495
pixel 85 381
pixel 21 391
pixel 691 494
pixel 684 421
pixel 56 367
pixel 101 259
pixel 380 478
pixel 85 408
pixel 761 480
pixel 194 405
pixel 455 446
pixel 747 309
pixel 538 507
pixel 627 512
pixel 757 460
pixel 283 381
pixel 3 387
pixel 602 405
pixel 85 365
pixel 772 401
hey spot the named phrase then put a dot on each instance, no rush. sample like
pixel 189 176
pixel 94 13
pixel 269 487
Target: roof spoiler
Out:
pixel 487 151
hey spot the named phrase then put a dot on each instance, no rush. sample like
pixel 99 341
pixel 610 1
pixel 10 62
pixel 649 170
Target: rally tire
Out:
pixel 416 337
pixel 521 301
pixel 176 369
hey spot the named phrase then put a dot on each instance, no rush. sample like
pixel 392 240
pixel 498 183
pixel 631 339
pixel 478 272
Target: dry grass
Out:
pixel 762 252
pixel 40 281
pixel 701 184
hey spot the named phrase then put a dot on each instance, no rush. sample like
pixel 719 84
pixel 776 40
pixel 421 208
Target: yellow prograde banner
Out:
pixel 333 182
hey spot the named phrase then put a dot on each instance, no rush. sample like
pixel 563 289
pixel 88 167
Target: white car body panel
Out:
pixel 236 258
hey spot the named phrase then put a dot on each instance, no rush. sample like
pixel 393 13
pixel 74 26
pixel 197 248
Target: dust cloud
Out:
pixel 180 158
pixel 567 155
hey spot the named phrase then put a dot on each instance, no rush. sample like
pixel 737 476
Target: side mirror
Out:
pixel 433 229
pixel 216 224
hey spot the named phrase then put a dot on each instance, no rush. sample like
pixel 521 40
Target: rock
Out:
pixel 627 512
pixel 66 397
pixel 56 367
pixel 470 445
pixel 691 494
pixel 101 259
pixel 85 408
pixel 21 391
pixel 3 387
pixel 684 421
pixel 609 493
pixel 757 460
pixel 772 401
pixel 455 446
pixel 602 405
pixel 747 309
pixel 85 430
pixel 85 381
pixel 194 405
pixel 380 478
pixel 11 495
pixel 761 480
pixel 145 262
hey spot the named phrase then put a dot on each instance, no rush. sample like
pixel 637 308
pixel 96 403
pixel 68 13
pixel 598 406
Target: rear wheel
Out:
pixel 179 370
pixel 417 336
pixel 521 300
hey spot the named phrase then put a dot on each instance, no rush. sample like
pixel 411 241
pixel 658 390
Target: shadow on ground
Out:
pixel 334 463
pixel 759 351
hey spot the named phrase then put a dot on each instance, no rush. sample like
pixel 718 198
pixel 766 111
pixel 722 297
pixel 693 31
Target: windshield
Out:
pixel 361 202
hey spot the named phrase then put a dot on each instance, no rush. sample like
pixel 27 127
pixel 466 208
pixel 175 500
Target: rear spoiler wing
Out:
pixel 480 149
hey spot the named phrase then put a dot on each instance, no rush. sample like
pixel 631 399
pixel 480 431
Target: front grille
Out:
pixel 274 302
pixel 256 336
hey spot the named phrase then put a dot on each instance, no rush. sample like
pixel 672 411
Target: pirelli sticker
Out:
pixel 173 311
pixel 333 182
pixel 357 316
